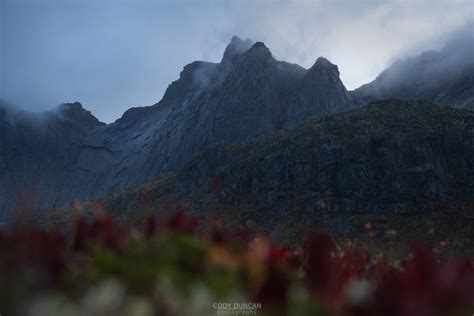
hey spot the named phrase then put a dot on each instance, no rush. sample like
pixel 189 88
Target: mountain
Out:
pixel 402 164
pixel 67 154
pixel 445 77
pixel 51 159
pixel 38 153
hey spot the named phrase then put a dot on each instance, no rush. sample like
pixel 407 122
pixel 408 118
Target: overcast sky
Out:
pixel 111 55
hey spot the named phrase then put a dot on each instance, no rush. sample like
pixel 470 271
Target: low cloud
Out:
pixel 115 55
pixel 361 37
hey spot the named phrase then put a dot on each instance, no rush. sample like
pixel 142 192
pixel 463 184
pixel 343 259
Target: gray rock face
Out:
pixel 39 154
pixel 445 77
pixel 313 90
pixel 69 155
pixel 391 157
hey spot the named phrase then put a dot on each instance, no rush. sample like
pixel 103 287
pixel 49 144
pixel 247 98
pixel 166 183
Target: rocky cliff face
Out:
pixel 39 154
pixel 73 156
pixel 445 77
pixel 389 158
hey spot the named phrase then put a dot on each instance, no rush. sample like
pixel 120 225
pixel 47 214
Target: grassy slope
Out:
pixel 448 222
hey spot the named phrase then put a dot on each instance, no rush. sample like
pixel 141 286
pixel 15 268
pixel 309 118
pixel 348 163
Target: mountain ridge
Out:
pixel 445 77
pixel 248 93
pixel 393 160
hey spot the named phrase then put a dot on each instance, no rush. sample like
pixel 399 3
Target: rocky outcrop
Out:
pixel 389 158
pixel 313 91
pixel 247 94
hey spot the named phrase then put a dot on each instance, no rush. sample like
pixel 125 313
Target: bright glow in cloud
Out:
pixel 112 55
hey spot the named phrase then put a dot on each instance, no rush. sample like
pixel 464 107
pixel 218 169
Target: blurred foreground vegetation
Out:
pixel 166 266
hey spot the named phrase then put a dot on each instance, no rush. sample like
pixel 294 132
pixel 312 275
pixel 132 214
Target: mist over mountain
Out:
pixel 322 164
pixel 248 93
pixel 445 77
pixel 53 158
pixel 39 154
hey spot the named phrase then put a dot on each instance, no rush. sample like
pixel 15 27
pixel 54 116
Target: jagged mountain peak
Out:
pixel 260 50
pixel 76 112
pixel 236 47
pixel 189 71
pixel 72 106
pixel 320 92
pixel 239 50
pixel 242 55
pixel 250 93
pixel 323 63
